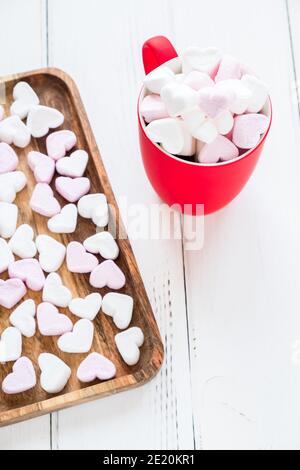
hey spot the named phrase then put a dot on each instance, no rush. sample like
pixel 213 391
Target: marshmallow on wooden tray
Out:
pixel 10 184
pixel 6 255
pixel 41 119
pixel 54 373
pixel 95 207
pixel 102 243
pixel 10 345
pixel 2 112
pixel 128 343
pixel 79 340
pixel 55 292
pixel 23 318
pixel 202 60
pixel 74 165
pixel 173 135
pixel 51 253
pixel 11 292
pixel 22 244
pixel 152 107
pixel 107 274
pixel 72 189
pixel 24 98
pixel 95 366
pixel 65 221
pixel 14 131
pixel 51 322
pixel 119 307
pixel 158 78
pixel 8 219
pixel 21 379
pixel 88 308
pixel 78 260
pixel 8 158
pixel 60 142
pixel 43 201
pixel 43 167
pixel 29 271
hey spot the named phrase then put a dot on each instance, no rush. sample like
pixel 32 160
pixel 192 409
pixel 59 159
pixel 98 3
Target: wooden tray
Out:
pixel 58 90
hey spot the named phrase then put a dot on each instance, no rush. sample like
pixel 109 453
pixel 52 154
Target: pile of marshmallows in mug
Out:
pixel 19 247
pixel 212 109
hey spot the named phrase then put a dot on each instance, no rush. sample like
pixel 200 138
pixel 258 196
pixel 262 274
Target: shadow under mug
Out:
pixel 183 184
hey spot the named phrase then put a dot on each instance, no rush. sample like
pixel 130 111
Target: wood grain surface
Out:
pixel 57 90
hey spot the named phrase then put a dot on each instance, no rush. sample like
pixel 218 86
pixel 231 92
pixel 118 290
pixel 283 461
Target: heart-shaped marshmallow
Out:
pixel 51 322
pixel 78 260
pixel 21 379
pixel 107 274
pixel 88 308
pixel 152 107
pixel 220 149
pixel 202 60
pixel 55 292
pixel 43 167
pixel 6 255
pixel 238 94
pixel 95 366
pixel 14 131
pixel 212 101
pixel 51 253
pixel 74 165
pixel 8 219
pixel 65 221
pixel 11 292
pixel 10 345
pixel 22 244
pixel 197 80
pixel 178 98
pixel 80 340
pixel 8 158
pixel 72 189
pixel 248 129
pixel 29 271
pixel 24 98
pixel 229 68
pixel 23 318
pixel 54 373
pixel 224 122
pixel 95 207
pixel 43 202
pixel 102 243
pixel 173 135
pixel 158 78
pixel 128 343
pixel 60 142
pixel 42 118
pixel 11 184
pixel 258 93
pixel 119 307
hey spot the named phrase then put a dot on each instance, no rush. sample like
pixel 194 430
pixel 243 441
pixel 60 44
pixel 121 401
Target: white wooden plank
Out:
pixel 22 32
pixel 243 286
pixel 100 46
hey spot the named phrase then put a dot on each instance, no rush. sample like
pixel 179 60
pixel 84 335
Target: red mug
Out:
pixel 185 184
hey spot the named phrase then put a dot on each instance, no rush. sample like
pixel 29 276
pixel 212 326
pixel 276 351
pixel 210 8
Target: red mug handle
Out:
pixel 157 51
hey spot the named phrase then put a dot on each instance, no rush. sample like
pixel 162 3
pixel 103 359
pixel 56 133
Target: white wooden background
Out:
pixel 229 314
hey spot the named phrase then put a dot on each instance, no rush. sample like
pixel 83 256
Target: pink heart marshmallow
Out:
pixel 29 271
pixel 220 149
pixel 152 108
pixel 8 158
pixel 213 102
pixel 22 377
pixel 248 128
pixel 107 274
pixel 198 80
pixel 78 260
pixel 51 322
pixel 43 202
pixel 72 189
pixel 43 167
pixel 11 292
pixel 230 68
pixel 60 142
pixel 95 366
